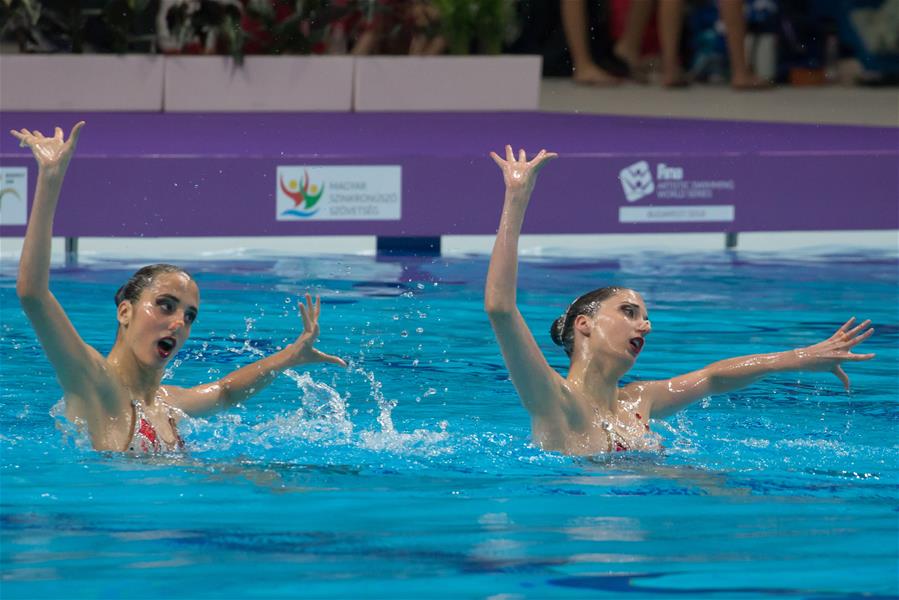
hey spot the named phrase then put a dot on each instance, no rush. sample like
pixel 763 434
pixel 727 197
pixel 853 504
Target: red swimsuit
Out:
pixel 145 439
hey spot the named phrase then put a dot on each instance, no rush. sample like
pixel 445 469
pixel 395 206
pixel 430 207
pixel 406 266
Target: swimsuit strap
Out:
pixel 143 428
pixel 616 440
pixel 179 441
pixel 143 435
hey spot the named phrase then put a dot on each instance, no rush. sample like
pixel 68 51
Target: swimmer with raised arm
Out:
pixel 120 397
pixel 603 332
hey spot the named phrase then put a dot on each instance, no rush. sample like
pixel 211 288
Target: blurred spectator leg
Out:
pixel 628 47
pixel 575 23
pixel 671 23
pixel 741 76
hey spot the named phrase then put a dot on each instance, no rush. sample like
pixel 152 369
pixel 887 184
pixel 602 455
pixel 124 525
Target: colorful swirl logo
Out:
pixel 304 195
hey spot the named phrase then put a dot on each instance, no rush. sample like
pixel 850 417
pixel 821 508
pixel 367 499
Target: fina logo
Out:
pixel 636 180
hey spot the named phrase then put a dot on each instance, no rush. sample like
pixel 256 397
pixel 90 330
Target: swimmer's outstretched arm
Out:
pixel 669 396
pixel 73 360
pixel 537 383
pixel 253 378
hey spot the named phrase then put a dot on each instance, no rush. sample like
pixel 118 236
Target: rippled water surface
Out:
pixel 411 474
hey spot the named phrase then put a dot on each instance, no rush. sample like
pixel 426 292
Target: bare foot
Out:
pixel 637 70
pixel 749 82
pixel 674 77
pixel 593 75
pixel 630 57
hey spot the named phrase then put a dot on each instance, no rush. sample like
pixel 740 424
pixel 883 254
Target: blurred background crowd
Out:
pixel 749 44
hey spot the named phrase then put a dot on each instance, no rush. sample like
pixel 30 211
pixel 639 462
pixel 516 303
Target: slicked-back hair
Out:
pixel 142 279
pixel 562 329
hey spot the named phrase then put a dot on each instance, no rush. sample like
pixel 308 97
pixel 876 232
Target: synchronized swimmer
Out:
pixel 603 332
pixel 120 397
pixel 124 406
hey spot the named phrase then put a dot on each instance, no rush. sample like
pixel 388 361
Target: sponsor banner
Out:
pixel 344 193
pixel 655 182
pixel 13 195
pixel 676 214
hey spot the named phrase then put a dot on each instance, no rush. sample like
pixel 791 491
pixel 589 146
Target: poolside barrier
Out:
pixel 424 175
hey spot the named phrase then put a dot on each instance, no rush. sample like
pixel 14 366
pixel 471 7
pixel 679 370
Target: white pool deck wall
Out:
pixel 218 248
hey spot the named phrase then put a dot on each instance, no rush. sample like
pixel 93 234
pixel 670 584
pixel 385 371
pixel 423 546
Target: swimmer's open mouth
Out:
pixel 165 346
pixel 636 344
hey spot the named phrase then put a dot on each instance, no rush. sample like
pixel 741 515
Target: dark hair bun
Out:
pixel 121 294
pixel 556 330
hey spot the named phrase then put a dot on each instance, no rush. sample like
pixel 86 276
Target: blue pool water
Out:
pixel 411 473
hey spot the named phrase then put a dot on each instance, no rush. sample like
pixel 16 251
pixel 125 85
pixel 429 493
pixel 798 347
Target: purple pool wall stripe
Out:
pixel 215 175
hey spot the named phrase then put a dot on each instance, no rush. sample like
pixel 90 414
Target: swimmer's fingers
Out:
pixel 25 137
pixel 846 341
pixel 76 132
pixel 537 157
pixel 57 133
pixel 522 156
pixel 841 375
pixel 859 339
pixel 845 326
pixel 858 357
pixel 542 158
pixel 315 308
pixel 500 162
pixel 510 156
pixel 320 356
pixel 307 320
pixel 850 344
pixel 854 331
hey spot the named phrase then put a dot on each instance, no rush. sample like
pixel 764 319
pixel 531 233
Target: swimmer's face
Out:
pixel 618 328
pixel 156 326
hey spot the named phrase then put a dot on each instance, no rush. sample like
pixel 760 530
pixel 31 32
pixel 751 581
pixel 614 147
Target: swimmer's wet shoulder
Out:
pixel 577 425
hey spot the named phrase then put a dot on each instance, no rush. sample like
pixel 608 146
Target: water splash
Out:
pixel 74 433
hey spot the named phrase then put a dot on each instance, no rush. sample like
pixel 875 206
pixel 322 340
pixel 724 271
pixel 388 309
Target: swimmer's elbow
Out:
pixel 30 294
pixel 495 307
pixel 496 304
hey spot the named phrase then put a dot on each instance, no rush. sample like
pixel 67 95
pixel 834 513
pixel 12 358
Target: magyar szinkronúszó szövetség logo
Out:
pixel 304 195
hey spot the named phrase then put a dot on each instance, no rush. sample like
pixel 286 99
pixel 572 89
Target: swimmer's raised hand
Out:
pixel 303 349
pixel 520 175
pixel 829 354
pixel 52 153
